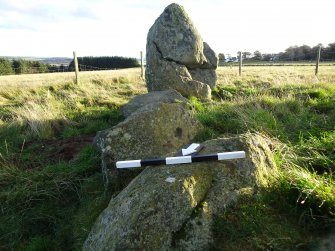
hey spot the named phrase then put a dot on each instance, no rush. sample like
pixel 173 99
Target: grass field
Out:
pixel 47 79
pixel 51 187
pixel 252 63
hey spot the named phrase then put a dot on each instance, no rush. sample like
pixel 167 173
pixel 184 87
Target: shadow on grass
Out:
pixel 286 119
pixel 34 140
pixel 52 189
pixel 260 222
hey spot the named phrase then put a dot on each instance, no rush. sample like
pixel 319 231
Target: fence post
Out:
pixel 75 62
pixel 317 61
pixel 240 64
pixel 142 65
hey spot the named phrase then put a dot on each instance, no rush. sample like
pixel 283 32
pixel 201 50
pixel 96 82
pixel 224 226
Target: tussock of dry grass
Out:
pixel 42 102
pixel 40 118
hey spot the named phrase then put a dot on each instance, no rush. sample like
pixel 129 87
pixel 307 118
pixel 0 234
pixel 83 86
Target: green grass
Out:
pixel 297 110
pixel 255 224
pixel 50 197
pixel 39 206
pixel 48 201
pixel 257 63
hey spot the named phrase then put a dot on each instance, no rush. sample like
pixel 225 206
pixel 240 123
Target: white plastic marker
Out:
pixel 180 159
pixel 191 149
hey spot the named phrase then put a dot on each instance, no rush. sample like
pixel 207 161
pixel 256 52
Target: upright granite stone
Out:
pixel 173 207
pixel 176 37
pixel 177 57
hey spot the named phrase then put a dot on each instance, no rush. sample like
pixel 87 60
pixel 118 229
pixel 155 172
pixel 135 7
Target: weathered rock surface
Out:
pixel 152 130
pixel 154 98
pixel 204 76
pixel 165 75
pixel 324 243
pixel 176 37
pixel 172 207
pixel 174 46
pixel 212 58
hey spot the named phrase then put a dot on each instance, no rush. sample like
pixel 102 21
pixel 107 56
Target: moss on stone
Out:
pixel 154 213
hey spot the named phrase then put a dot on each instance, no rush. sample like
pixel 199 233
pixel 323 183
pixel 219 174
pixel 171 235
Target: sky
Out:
pixel 56 28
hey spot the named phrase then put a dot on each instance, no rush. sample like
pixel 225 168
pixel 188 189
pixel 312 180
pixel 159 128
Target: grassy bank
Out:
pixel 297 110
pixel 51 188
pixel 50 182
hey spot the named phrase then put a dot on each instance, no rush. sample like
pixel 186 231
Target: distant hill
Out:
pixel 51 60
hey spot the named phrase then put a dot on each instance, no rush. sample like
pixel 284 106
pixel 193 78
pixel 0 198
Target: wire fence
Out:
pixel 38 70
pixel 93 68
pixel 318 58
pixel 305 59
pixel 32 70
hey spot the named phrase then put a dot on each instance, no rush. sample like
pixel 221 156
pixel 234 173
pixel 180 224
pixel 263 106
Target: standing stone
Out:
pixel 177 58
pixel 176 37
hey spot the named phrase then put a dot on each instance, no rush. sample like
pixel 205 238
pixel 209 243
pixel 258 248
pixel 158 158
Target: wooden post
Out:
pixel 76 68
pixel 142 66
pixel 240 64
pixel 317 61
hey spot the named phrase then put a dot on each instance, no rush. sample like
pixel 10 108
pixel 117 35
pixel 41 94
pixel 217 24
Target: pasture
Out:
pixel 51 185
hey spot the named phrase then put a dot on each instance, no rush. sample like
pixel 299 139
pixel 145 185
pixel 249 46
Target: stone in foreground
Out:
pixel 163 125
pixel 172 207
pixel 152 98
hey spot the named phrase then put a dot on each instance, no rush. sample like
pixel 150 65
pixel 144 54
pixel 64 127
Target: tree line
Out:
pixel 96 63
pixel 293 53
pixel 22 66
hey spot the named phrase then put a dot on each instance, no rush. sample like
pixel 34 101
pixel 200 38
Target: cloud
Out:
pixel 13 26
pixel 84 12
pixel 7 5
pixel 113 27
pixel 15 14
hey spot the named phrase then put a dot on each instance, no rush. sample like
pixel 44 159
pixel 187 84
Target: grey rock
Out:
pixel 205 76
pixel 161 74
pixel 167 75
pixel 197 89
pixel 174 47
pixel 237 178
pixel 172 207
pixel 177 38
pixel 325 242
pixel 212 58
pixel 155 97
pixel 151 131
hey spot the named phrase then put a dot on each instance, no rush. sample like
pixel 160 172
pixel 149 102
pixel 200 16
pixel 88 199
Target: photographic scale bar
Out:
pixel 180 159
